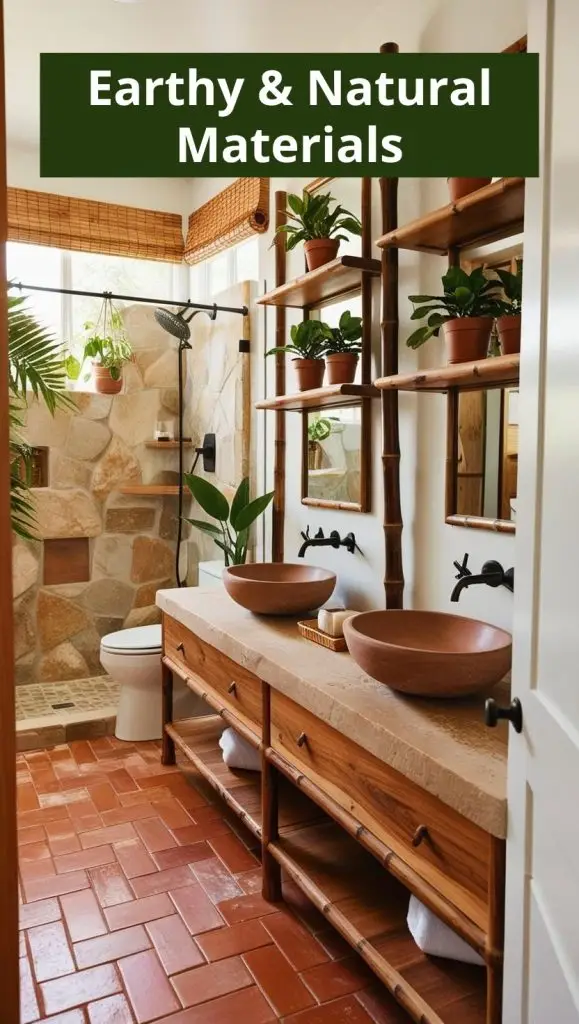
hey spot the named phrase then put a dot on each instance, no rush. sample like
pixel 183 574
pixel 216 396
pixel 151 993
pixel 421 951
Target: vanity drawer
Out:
pixel 228 684
pixel 454 855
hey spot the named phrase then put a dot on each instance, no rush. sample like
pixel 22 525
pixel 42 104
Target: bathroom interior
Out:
pixel 262 752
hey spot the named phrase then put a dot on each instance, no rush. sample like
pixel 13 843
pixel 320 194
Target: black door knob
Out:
pixel 513 714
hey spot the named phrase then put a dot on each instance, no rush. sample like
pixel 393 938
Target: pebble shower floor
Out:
pixel 141 902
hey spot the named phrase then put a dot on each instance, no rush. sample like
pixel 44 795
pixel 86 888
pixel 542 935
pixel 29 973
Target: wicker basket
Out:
pixel 309 629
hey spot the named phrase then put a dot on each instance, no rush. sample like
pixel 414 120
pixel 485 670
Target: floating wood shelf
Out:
pixel 320 398
pixel 321 286
pixel 368 907
pixel 171 445
pixel 493 212
pixel 150 490
pixel 497 372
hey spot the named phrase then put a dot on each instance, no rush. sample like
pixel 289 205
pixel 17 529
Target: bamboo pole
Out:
pixel 168 748
pixel 278 517
pixel 271 871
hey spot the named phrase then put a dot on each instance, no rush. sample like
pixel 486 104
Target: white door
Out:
pixel 542 913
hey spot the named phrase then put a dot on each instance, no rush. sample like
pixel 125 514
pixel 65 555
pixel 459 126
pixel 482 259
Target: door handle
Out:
pixel 513 714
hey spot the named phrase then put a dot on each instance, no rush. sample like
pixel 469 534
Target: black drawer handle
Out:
pixel 181 648
pixel 420 835
pixel 302 739
pixel 232 688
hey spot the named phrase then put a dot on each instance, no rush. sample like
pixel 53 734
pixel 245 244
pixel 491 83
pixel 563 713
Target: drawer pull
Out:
pixel 302 739
pixel 420 835
pixel 232 688
pixel 181 648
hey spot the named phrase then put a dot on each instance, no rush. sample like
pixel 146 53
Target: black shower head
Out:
pixel 177 324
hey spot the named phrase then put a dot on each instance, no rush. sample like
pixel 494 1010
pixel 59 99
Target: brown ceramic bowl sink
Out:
pixel 429 654
pixel 278 588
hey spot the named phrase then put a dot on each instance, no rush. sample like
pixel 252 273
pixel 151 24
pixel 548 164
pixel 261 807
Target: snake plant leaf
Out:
pixel 212 501
pixel 201 524
pixel 240 501
pixel 250 513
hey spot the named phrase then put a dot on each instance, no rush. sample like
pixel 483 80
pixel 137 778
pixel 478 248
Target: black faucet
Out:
pixel 492 574
pixel 333 541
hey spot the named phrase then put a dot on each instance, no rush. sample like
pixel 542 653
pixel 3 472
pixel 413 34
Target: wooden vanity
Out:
pixel 364 795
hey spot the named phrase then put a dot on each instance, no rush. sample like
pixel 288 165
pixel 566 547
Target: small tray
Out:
pixel 310 630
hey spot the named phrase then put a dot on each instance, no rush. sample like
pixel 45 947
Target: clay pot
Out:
pixel 459 187
pixel 310 373
pixel 103 382
pixel 342 367
pixel 509 328
pixel 467 338
pixel 320 251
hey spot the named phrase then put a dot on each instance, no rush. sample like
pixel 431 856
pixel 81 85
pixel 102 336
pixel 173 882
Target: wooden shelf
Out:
pixel 321 286
pixel 494 372
pixel 493 212
pixel 320 398
pixel 149 490
pixel 198 739
pixel 368 907
pixel 171 445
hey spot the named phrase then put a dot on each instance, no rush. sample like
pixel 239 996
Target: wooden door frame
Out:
pixel 8 854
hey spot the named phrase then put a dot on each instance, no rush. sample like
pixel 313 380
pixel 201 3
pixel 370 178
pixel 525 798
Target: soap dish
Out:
pixel 309 629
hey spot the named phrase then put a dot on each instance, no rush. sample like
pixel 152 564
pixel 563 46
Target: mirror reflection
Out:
pixel 487 454
pixel 333 456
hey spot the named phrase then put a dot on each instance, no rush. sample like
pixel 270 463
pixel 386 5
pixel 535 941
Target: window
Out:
pixel 38 265
pixel 239 263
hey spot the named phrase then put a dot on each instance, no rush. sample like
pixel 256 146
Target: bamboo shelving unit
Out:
pixel 498 372
pixel 326 284
pixel 321 398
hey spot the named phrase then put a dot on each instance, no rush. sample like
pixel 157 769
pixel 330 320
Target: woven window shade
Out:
pixel 228 218
pixel 63 222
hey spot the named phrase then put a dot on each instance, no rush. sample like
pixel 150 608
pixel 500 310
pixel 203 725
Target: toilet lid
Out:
pixel 140 640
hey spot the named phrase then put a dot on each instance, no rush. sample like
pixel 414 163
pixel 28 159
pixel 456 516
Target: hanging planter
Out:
pixel 108 348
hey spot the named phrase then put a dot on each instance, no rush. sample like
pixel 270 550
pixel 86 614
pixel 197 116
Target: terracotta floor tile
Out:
pixel 218 882
pixel 211 981
pixel 196 909
pixel 63 844
pixel 212 812
pixel 295 941
pixel 250 881
pixel 33 852
pixel 57 885
pixel 197 833
pixel 101 745
pixel 381 1006
pixel 175 948
pixel 28 1003
pixel 36 757
pixel 111 947
pixel 148 988
pixel 163 881
pixel 110 885
pixel 103 796
pixel 155 835
pixel 41 912
pixel 81 809
pixel 189 797
pixel 143 796
pixel 278 980
pixel 243 908
pixel 88 823
pixel 32 834
pixel 240 938
pixel 335 946
pixel 82 987
pixel 45 780
pixel 233 853
pixel 31 870
pixel 27 799
pixel 182 855
pixel 338 978
pixel 114 1010
pixel 68 1017
pixel 85 859
pixel 50 951
pixel 337 1012
pixel 247 1006
pixel 121 781
pixel 133 858
pixel 83 915
pixel 22 948
pixel 121 815
pixel 139 911
pixel 82 752
pixel 104 836
pixel 41 816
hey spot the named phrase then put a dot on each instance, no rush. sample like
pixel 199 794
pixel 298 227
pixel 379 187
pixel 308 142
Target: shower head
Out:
pixel 177 324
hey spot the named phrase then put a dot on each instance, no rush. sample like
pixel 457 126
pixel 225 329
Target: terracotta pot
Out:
pixel 103 382
pixel 310 373
pixel 320 251
pixel 459 187
pixel 467 338
pixel 342 367
pixel 509 328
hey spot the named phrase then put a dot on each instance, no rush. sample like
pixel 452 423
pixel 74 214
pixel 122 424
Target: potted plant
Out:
pixel 318 430
pixel 467 309
pixel 459 187
pixel 509 324
pixel 231 529
pixel 109 349
pixel 343 348
pixel 308 343
pixel 318 227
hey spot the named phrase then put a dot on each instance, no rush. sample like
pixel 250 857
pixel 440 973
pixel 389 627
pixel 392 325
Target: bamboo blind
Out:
pixel 228 218
pixel 64 222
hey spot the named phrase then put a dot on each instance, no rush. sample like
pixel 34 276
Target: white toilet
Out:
pixel 132 657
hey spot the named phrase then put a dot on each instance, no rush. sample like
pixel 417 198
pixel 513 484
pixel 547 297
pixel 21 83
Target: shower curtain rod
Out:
pixel 242 310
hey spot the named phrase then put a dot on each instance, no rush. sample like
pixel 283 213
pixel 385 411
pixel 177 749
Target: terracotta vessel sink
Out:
pixel 278 588
pixel 429 654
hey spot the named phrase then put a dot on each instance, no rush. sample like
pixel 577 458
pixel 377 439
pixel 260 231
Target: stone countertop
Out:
pixel 443 746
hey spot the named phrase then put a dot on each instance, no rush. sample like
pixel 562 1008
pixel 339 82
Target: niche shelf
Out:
pixel 324 285
pixel 487 215
pixel 321 398
pixel 149 490
pixel 494 372
pixel 170 445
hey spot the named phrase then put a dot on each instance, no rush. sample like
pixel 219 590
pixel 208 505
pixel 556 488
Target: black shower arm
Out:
pixel 197 307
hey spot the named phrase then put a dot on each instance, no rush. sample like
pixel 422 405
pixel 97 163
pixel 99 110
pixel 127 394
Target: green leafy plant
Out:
pixel 309 340
pixel 107 345
pixel 313 218
pixel 319 429
pixel 231 534
pixel 346 336
pixel 464 295
pixel 513 290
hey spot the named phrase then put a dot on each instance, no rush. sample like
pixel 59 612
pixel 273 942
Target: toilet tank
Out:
pixel 210 573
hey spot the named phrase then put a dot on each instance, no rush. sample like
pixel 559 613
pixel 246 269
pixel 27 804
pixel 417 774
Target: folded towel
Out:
pixel 238 753
pixel 435 938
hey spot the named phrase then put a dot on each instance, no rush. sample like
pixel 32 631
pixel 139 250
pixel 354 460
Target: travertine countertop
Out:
pixel 442 745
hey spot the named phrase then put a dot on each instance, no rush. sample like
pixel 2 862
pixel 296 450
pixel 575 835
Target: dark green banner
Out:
pixel 238 115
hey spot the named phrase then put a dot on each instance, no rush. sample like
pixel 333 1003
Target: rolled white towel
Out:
pixel 238 753
pixel 435 938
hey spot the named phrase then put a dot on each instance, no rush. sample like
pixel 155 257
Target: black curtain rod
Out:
pixel 242 310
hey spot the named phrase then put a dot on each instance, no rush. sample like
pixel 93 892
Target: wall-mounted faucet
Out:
pixel 492 574
pixel 333 541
